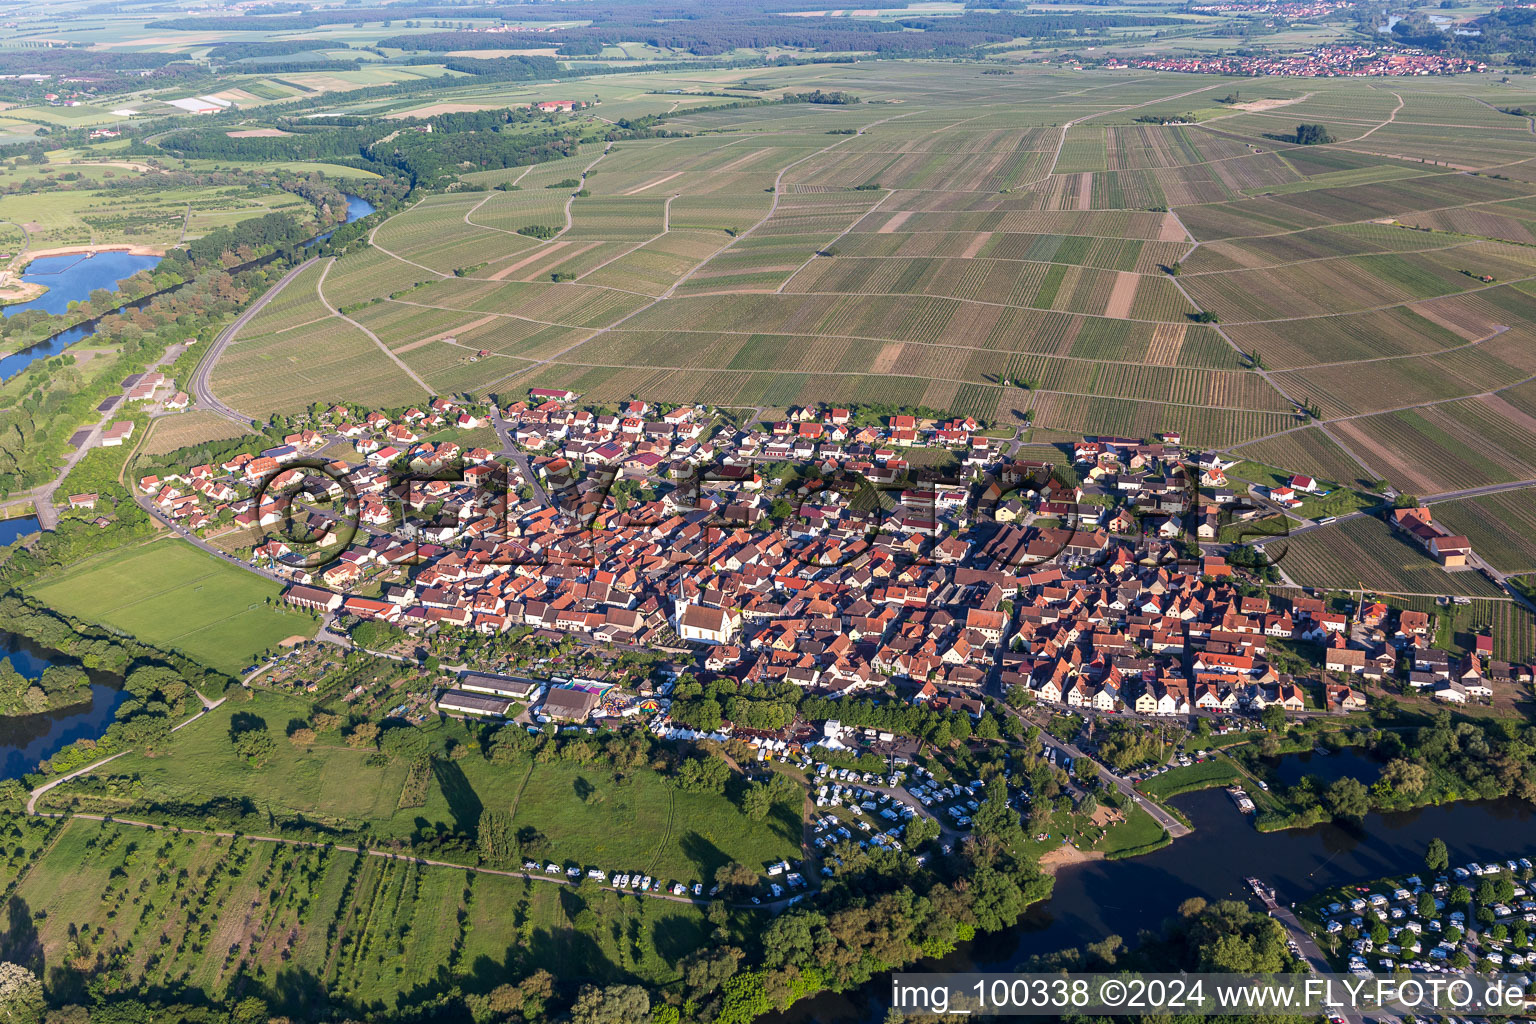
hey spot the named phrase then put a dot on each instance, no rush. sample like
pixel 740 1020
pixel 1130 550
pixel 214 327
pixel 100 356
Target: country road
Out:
pixel 200 389
pixel 208 705
pixel 1310 951
pixel 42 497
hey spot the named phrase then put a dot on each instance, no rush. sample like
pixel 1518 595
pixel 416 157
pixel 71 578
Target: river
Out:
pixel 68 278
pixel 357 207
pixel 27 739
pixel 75 277
pixel 1121 897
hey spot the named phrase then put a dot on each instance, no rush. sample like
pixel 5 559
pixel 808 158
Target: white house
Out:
pixel 706 624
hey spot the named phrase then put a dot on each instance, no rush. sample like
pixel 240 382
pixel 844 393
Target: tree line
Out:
pixel 713 30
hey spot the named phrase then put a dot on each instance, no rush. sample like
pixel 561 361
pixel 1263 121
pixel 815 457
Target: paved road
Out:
pixel 187 535
pixel 42 497
pixel 208 705
pixel 504 434
pixel 1310 951
pixel 1473 492
pixel 200 389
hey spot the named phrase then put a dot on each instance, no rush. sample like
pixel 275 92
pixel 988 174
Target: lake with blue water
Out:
pixel 12 530
pixel 27 739
pixel 358 208
pixel 1326 768
pixel 75 277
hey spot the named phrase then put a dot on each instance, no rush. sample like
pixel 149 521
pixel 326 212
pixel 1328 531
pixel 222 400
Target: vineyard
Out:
pixel 1512 626
pixel 1501 527
pixel 1364 551
pixel 1310 452
pixel 949 240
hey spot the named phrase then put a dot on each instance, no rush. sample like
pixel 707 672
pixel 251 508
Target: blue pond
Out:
pixel 27 739
pixel 68 278
pixel 12 530
pixel 74 277
pixel 358 208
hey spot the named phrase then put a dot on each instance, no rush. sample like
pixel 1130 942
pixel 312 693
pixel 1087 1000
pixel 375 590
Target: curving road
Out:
pixel 200 389
pixel 208 705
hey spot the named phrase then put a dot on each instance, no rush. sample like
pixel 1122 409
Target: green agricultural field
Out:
pixel 587 814
pixel 171 594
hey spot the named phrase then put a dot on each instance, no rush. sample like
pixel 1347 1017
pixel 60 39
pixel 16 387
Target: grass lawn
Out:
pixel 588 815
pixel 1339 501
pixel 1139 830
pixel 642 823
pixel 329 781
pixel 171 594
pixel 1218 771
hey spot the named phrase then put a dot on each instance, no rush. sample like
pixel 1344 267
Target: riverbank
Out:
pixel 1067 855
pixel 16 292
pixel 1093 899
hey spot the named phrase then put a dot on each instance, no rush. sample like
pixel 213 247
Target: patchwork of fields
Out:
pixel 1362 311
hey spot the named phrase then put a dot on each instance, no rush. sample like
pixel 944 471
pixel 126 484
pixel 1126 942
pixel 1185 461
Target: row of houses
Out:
pixel 1344 60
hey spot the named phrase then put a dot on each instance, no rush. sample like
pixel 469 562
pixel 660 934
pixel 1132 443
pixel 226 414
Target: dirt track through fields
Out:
pixel 461 329
pixel 652 184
